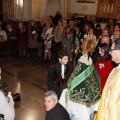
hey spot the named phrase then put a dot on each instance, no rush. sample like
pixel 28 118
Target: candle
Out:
pixel 108 9
pixel 112 9
pixel 104 8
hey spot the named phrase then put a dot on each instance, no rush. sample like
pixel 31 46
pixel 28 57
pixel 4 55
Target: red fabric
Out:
pixel 21 39
pixel 104 71
pixel 62 46
pixel 66 34
pixel 60 78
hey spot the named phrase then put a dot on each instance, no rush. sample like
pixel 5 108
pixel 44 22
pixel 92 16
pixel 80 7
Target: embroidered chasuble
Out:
pixel 84 84
pixel 109 108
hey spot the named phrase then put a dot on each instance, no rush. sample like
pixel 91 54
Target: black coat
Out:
pixel 57 113
pixel 80 36
pixel 54 77
pixel 39 32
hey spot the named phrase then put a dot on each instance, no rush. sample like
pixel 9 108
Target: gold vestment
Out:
pixel 109 107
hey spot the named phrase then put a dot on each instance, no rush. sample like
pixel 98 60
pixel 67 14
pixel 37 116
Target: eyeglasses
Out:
pixel 113 49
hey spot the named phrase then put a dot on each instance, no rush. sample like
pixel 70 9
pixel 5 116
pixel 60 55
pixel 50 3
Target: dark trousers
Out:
pixel 56 47
pixel 56 88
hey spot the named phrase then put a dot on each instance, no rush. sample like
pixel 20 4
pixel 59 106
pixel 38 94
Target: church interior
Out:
pixel 27 75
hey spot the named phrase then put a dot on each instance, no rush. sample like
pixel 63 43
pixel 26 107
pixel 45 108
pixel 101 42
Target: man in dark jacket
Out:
pixel 57 17
pixel 55 111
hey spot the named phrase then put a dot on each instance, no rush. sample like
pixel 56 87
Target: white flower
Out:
pixel 101 65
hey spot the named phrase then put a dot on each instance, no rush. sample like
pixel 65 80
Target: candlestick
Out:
pixel 112 9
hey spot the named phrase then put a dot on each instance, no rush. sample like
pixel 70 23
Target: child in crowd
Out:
pixel 104 63
pixel 57 73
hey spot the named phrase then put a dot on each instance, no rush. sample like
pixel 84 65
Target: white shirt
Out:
pixel 63 71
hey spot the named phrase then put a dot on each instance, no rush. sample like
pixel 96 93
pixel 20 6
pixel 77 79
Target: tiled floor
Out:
pixel 28 77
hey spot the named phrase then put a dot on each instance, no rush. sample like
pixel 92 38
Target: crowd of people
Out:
pixel 48 36
pixel 88 96
pixel 90 48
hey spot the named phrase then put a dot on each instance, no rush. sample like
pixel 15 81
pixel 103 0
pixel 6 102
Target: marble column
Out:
pixel 35 9
pixel 68 4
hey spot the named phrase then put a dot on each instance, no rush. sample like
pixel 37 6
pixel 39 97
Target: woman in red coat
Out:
pixel 104 64
pixel 21 35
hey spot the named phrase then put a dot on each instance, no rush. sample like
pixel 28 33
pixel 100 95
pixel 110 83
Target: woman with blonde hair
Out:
pixel 47 35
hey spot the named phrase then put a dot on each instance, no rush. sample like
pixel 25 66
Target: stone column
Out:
pixel 35 9
pixel 68 4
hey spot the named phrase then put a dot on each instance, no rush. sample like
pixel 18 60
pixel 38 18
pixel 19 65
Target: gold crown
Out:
pixel 89 44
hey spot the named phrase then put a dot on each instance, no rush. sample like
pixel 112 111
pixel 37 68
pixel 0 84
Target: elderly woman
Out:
pixel 3 33
pixel 21 35
pixel 10 32
pixel 47 35
pixel 32 42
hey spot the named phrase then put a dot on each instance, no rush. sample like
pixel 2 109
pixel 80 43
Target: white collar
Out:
pixel 63 71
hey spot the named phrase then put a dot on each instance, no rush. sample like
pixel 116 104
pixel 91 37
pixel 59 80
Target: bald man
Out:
pixel 115 35
pixel 105 39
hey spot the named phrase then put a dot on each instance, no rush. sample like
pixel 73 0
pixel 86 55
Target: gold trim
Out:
pixel 83 103
pixel 89 44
